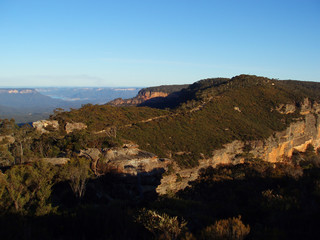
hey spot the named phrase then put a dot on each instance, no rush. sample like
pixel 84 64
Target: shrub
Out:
pixel 162 226
pixel 26 189
pixel 77 172
pixel 231 229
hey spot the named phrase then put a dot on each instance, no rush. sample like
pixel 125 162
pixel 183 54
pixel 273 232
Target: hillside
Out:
pixel 206 115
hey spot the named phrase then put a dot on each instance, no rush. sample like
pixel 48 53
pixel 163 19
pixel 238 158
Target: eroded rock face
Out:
pixel 140 98
pixel 129 164
pixel 43 125
pixel 274 149
pixel 133 161
pixel 70 127
pixel 125 160
pixel 92 154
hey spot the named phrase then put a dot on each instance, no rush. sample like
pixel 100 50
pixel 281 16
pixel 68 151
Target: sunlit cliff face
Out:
pixel 274 149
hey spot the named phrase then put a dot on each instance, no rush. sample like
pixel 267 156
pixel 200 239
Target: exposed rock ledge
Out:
pixel 274 149
pixel 125 160
pixel 43 125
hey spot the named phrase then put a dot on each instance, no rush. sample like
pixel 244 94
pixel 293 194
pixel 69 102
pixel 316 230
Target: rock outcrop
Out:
pixel 134 161
pixel 44 125
pixel 125 160
pixel 131 163
pixel 70 127
pixel 93 154
pixel 276 148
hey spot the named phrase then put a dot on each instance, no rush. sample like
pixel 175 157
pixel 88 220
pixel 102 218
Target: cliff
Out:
pixel 140 98
pixel 278 147
pixel 146 94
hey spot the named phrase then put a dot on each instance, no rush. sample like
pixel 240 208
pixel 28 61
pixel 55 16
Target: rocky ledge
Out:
pixel 125 160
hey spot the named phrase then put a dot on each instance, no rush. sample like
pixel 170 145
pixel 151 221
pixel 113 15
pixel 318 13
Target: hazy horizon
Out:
pixel 34 87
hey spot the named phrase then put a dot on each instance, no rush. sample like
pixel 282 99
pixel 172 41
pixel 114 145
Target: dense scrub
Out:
pixel 98 117
pixel 254 200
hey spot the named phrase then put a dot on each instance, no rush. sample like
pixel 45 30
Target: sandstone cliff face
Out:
pixel 140 98
pixel 274 149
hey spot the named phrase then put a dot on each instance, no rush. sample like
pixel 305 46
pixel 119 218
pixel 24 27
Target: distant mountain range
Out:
pixel 27 105
pixel 88 95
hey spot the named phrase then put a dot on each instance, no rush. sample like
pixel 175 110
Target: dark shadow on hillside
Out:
pixel 111 187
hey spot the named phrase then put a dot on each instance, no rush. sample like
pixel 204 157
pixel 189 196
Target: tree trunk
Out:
pixel 21 152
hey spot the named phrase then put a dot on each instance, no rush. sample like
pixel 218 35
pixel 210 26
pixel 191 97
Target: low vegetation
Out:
pixel 253 200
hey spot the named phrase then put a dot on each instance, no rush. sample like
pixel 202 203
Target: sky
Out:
pixel 155 42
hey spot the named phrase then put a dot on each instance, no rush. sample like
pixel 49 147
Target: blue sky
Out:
pixel 154 42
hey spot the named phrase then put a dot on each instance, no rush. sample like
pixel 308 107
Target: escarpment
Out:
pixel 152 93
pixel 140 98
pixel 278 147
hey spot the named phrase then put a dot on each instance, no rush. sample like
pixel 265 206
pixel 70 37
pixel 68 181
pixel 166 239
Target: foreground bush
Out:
pixel 162 226
pixel 226 229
